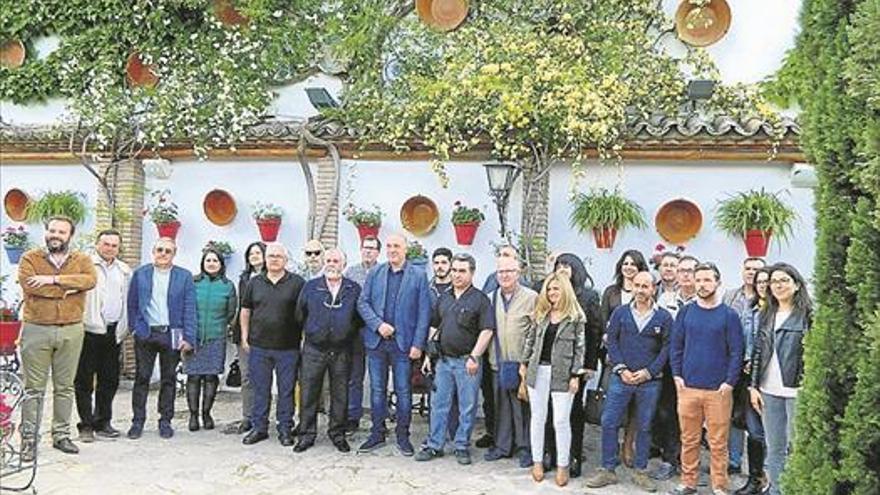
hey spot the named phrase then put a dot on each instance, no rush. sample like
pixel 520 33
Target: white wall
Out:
pixel 651 184
pixel 248 181
pixel 34 179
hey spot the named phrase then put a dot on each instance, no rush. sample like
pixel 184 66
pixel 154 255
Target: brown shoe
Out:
pixel 562 476
pixel 538 472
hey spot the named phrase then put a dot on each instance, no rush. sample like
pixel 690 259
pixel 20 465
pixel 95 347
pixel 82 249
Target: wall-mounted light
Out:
pixel 320 98
pixel 501 177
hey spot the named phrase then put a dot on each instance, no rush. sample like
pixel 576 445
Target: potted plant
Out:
pixel 163 212
pixel 268 218
pixel 223 248
pixel 416 253
pixel 367 221
pixel 755 216
pixel 10 325
pixel 15 241
pixel 71 204
pixel 465 221
pixel 605 212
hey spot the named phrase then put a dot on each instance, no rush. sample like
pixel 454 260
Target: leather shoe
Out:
pixel 303 446
pixel 254 436
pixel 66 446
pixel 107 431
pixel 485 441
pixel 286 439
pixel 341 445
pixel 135 431
pixel 87 435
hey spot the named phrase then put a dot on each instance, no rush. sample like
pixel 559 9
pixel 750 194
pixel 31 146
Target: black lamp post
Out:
pixel 501 176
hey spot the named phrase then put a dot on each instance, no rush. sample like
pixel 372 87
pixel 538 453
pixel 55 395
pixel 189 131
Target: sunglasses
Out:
pixel 313 253
pixel 164 250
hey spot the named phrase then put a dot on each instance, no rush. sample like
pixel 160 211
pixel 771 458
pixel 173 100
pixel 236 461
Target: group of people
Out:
pixel 679 362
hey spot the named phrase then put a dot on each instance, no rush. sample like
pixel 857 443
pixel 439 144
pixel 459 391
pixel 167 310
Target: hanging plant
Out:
pixel 268 218
pixel 367 221
pixel 466 220
pixel 605 212
pixel 71 204
pixel 416 253
pixel 754 216
pixel 163 212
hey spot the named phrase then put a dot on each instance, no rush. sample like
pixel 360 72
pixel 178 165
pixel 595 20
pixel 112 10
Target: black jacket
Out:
pixel 328 323
pixel 789 343
pixel 589 301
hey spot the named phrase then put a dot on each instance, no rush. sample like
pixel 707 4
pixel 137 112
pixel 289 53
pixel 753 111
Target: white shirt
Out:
pixel 113 291
pixel 771 382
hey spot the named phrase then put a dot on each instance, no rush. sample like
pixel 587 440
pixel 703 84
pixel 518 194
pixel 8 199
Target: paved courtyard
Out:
pixel 211 463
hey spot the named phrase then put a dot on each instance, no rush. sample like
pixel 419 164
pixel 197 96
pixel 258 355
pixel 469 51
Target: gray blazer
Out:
pixel 567 357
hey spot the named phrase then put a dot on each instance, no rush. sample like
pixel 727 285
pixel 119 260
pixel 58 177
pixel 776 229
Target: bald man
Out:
pixel 638 347
pixel 395 304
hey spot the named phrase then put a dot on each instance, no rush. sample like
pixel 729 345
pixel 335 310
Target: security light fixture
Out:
pixel 321 99
pixel 700 89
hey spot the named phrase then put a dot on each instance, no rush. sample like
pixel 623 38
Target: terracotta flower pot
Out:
pixel 12 54
pixel 140 74
pixel 168 229
pixel 9 331
pixel 269 228
pixel 465 233
pixel 757 242
pixel 14 253
pixel 604 237
pixel 365 230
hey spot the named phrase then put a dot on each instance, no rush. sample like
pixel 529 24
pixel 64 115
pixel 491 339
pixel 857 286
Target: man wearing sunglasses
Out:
pixel 327 308
pixel 162 315
pixel 313 254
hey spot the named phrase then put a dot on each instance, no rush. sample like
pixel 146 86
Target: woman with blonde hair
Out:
pixel 553 360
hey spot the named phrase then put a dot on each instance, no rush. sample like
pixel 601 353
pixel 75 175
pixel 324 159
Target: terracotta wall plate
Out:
pixel 442 15
pixel 12 53
pixel 140 74
pixel 219 207
pixel 678 221
pixel 419 215
pixel 15 204
pixel 228 14
pixel 702 26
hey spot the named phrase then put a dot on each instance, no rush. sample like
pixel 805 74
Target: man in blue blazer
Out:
pixel 162 316
pixel 395 304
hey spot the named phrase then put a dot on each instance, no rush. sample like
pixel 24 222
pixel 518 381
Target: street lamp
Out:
pixel 501 176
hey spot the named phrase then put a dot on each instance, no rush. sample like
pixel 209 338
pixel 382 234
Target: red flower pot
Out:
pixel 604 237
pixel 269 228
pixel 9 331
pixel 465 233
pixel 168 229
pixel 757 242
pixel 365 230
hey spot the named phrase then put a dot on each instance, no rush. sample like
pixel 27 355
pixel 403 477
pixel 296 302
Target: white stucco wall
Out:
pixel 652 184
pixel 248 181
pixel 35 179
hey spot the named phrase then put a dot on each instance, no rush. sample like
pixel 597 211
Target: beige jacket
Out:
pixel 512 325
pixel 93 319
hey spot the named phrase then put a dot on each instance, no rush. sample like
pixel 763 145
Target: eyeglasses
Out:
pixel 762 282
pixel 163 250
pixel 313 253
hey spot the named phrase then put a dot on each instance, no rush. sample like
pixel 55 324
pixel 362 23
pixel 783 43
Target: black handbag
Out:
pixel 233 378
pixel 595 399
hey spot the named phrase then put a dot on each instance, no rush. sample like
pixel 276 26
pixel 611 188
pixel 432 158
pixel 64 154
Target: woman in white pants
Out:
pixel 553 358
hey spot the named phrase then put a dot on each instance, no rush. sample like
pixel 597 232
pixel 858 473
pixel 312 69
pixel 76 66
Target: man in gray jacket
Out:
pixel 106 324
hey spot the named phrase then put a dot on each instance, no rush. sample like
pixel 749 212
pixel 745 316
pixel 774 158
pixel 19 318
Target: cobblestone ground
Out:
pixel 212 463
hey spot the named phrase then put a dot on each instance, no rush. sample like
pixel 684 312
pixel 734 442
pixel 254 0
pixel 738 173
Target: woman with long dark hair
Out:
pixel 216 305
pixel 254 264
pixel 778 362
pixel 552 360
pixel 570 266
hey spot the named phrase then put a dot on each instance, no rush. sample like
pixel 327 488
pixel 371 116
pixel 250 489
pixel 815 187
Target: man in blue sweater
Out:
pixel 706 357
pixel 638 346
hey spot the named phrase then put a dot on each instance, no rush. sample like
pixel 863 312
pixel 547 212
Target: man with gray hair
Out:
pixel 327 308
pixel 271 332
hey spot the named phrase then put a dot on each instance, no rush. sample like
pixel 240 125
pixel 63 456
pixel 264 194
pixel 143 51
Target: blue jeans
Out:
pixel 356 381
pixel 735 446
pixel 614 413
pixel 778 432
pixel 388 355
pixel 262 363
pixel 451 379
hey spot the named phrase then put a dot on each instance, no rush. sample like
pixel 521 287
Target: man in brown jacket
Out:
pixel 54 281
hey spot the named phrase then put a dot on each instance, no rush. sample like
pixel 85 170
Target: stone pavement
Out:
pixel 211 463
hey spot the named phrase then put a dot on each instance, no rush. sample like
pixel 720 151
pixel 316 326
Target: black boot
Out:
pixel 755 485
pixel 193 391
pixel 211 384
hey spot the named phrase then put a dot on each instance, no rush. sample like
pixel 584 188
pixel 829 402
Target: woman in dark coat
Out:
pixel 588 299
pixel 254 264
pixel 216 306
